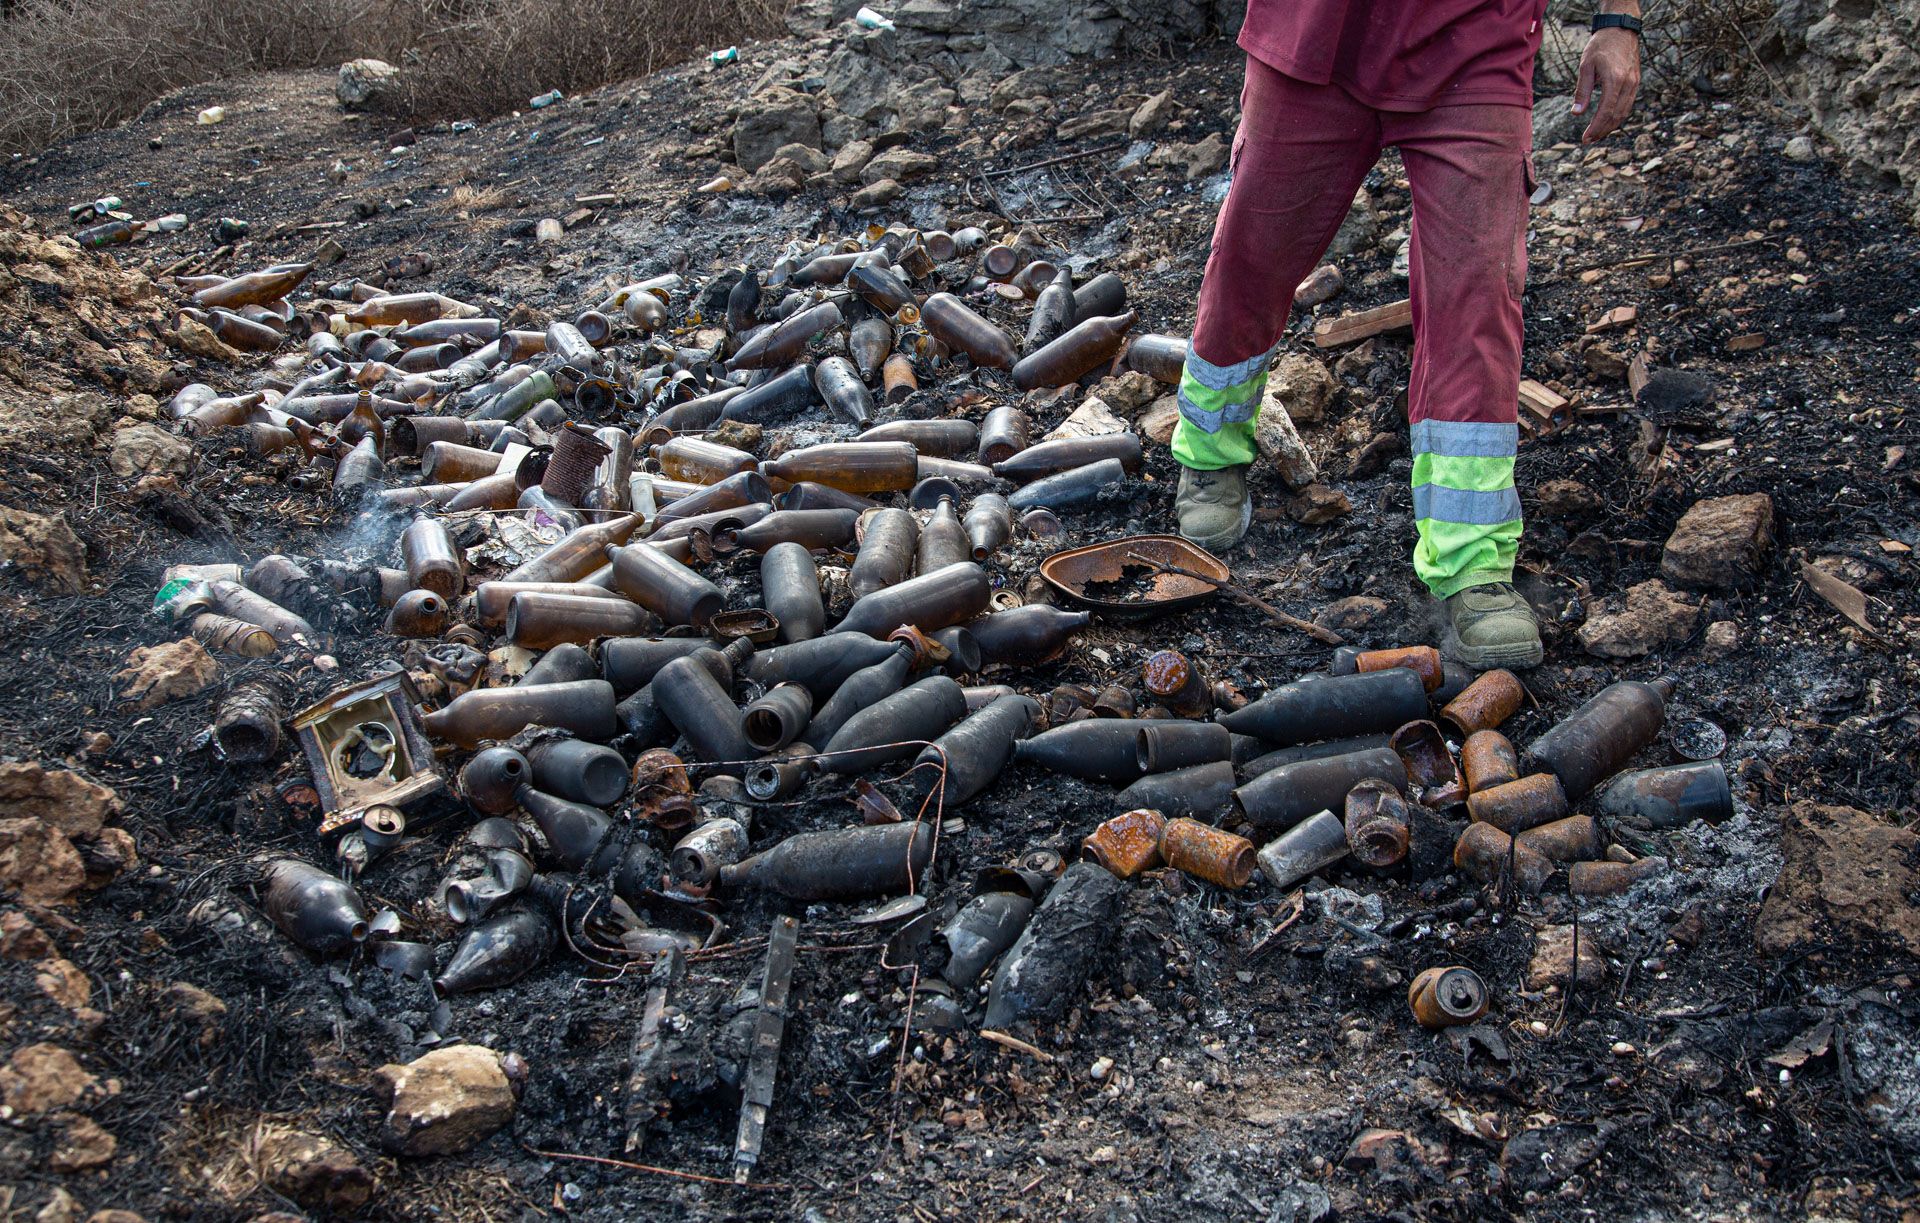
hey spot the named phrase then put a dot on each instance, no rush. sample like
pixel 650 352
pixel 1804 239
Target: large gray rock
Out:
pixel 1858 67
pixel 1555 123
pixel 857 84
pixel 775 118
pixel 362 81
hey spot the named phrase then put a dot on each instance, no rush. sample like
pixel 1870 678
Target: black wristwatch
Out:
pixel 1616 21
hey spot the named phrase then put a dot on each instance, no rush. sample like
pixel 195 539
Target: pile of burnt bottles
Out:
pixel 693 617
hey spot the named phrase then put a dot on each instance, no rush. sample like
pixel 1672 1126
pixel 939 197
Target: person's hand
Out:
pixel 1612 62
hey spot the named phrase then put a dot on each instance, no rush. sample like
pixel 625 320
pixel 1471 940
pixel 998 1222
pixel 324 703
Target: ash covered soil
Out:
pixel 1232 1051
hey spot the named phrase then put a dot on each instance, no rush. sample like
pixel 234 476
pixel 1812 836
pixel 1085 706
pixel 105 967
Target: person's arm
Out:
pixel 1611 62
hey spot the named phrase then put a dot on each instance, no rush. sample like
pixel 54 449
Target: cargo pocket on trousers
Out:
pixel 1517 260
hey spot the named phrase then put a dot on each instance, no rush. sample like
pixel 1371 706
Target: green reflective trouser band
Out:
pixel 1218 404
pixel 1464 504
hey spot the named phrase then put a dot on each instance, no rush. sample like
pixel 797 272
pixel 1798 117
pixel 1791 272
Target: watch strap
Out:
pixel 1616 21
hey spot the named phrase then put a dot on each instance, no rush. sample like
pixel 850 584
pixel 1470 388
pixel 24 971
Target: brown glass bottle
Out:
pixel 455 463
pixel 811 529
pixel 931 601
pixel 1159 357
pixel 431 559
pixel 989 524
pixel 1052 312
pixel 871 343
pixel 254 288
pixel 1026 636
pixel 490 599
pixel 584 707
pixel 579 553
pixel 784 342
pixel 1598 738
pixel 1066 453
pixel 943 540
pixel 951 321
pixel 701 461
pixel 886 552
pixel 1079 351
pixel 664 586
pixel 409 308
pixel 948 437
pixel 897 378
pixel 1004 433
pixel 542 621
pixel 854 467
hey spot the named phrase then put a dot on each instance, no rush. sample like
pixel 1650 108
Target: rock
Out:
pixel 1302 386
pixel 1560 500
pixel 902 164
pixel 362 81
pixel 1351 613
pixel 858 86
pixel 312 1169
pixel 1384 1152
pixel 198 340
pixel 837 130
pixel 37 863
pixel 1655 616
pixel 1092 418
pixel 1846 878
pixel 83 1145
pixel 1538 1159
pixel 1603 362
pixel 1197 160
pixel 813 161
pixel 20 939
pixel 1555 123
pixel 1158 422
pixel 923 109
pixel 850 160
pixel 877 194
pixel 141 450
pixel 59 797
pixel 44 548
pixel 1316 505
pixel 1127 392
pixel 1149 118
pixel 1023 85
pixel 1279 443
pixel 1359 229
pixel 1552 962
pixel 60 1208
pixel 777 179
pixel 43 1077
pixel 1883 1056
pixel 115 1216
pixel 185 1005
pixel 1722 638
pixel 1322 286
pixel 1800 148
pixel 1095 123
pixel 156 674
pixel 446 1101
pixel 106 855
pixel 1720 543
pixel 62 981
pixel 775 118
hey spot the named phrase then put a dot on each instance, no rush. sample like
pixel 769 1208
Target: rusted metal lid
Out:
pixel 1120 579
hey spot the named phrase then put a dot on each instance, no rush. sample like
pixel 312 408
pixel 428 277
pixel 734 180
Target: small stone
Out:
pixel 1360 228
pixel 1317 505
pixel 1847 879
pixel 83 1145
pixel 1563 499
pixel 1722 638
pixel 1158 422
pixel 1197 160
pixel 877 194
pixel 142 450
pixel 1302 386
pixel 156 674
pixel 1384 1152
pixel 778 178
pixel 40 1078
pixel 115 1216
pixel 1655 616
pixel 1604 362
pixel 62 981
pixel 1093 418
pixel 1127 392
pixel 850 160
pixel 1102 1067
pixel 1279 443
pixel 1553 958
pixel 1096 123
pixel 44 548
pixel 901 164
pixel 20 939
pixel 1800 148
pixel 1720 543
pixel 59 797
pixel 1150 117
pixel 60 1208
pixel 312 1169
pixel 1351 614
pixel 1323 286
pixel 187 1005
pixel 810 159
pixel 38 864
pixel 446 1102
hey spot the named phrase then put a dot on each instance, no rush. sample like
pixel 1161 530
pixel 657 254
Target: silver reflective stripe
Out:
pixel 1465 440
pixel 1220 377
pixel 1465 505
pixel 1210 422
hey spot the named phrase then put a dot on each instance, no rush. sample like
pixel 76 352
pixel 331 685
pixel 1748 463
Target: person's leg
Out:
pixel 1467 169
pixel 1300 152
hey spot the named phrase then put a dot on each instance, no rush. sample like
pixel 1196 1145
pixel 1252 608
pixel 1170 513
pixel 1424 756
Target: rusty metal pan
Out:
pixel 1119 579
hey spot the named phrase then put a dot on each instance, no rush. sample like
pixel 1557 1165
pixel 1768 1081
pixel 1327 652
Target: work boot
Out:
pixel 1492 626
pixel 1213 507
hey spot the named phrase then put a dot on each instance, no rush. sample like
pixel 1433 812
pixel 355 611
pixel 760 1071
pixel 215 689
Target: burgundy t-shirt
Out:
pixel 1406 55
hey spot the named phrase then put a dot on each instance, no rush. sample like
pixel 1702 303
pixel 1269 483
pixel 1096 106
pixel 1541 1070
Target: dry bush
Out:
pixel 71 66
pixel 490 56
pixel 1684 40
